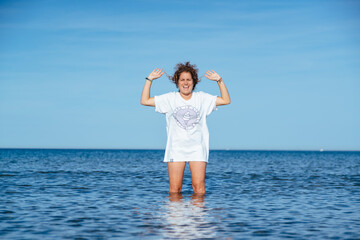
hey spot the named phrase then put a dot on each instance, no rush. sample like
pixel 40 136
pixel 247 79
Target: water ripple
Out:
pixel 112 194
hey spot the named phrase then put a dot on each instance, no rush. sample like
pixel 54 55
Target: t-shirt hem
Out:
pixel 197 160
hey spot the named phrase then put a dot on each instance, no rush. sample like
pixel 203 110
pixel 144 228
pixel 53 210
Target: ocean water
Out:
pixel 123 194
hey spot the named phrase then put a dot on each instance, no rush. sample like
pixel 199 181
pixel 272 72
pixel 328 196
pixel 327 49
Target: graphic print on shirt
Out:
pixel 186 117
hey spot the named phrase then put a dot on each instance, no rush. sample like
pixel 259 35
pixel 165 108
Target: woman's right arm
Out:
pixel 145 96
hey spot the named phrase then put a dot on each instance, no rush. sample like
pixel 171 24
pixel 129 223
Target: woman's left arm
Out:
pixel 224 98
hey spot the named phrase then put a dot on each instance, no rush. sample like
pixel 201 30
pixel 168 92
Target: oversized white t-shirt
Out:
pixel 187 132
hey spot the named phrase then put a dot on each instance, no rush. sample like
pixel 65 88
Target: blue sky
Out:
pixel 72 72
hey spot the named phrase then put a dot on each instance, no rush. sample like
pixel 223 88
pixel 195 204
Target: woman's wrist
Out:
pixel 149 79
pixel 219 81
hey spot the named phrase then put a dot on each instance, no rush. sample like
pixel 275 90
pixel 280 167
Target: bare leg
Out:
pixel 175 197
pixel 176 174
pixel 198 170
pixel 197 199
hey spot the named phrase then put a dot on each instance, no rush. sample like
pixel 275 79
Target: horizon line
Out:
pixel 162 149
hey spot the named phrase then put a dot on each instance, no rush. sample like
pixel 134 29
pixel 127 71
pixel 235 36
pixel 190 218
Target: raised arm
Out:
pixel 145 96
pixel 224 98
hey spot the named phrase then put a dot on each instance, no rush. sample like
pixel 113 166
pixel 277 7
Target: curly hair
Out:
pixel 185 67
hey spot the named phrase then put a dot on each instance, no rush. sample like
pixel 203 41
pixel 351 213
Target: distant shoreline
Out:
pixel 155 149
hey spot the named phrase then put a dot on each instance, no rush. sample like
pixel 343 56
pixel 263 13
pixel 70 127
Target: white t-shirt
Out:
pixel 187 132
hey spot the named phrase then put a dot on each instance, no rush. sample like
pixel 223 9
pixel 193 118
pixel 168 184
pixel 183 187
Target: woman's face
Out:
pixel 186 83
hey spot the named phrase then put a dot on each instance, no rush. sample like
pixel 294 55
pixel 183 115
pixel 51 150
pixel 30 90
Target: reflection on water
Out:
pixel 187 218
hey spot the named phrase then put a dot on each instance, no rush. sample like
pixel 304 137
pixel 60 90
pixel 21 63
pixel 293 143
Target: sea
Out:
pixel 123 194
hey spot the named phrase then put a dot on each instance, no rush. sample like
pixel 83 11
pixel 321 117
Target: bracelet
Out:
pixel 219 80
pixel 149 79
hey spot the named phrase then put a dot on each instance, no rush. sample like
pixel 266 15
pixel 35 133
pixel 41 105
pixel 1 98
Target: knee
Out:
pixel 175 189
pixel 199 187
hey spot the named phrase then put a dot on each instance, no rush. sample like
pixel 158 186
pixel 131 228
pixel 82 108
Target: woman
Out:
pixel 186 112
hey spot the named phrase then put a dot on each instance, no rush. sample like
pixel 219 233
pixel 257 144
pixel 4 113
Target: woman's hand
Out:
pixel 145 96
pixel 158 72
pixel 212 75
pixel 224 99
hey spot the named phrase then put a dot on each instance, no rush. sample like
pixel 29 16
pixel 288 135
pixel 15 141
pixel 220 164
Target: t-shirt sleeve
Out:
pixel 162 103
pixel 209 103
